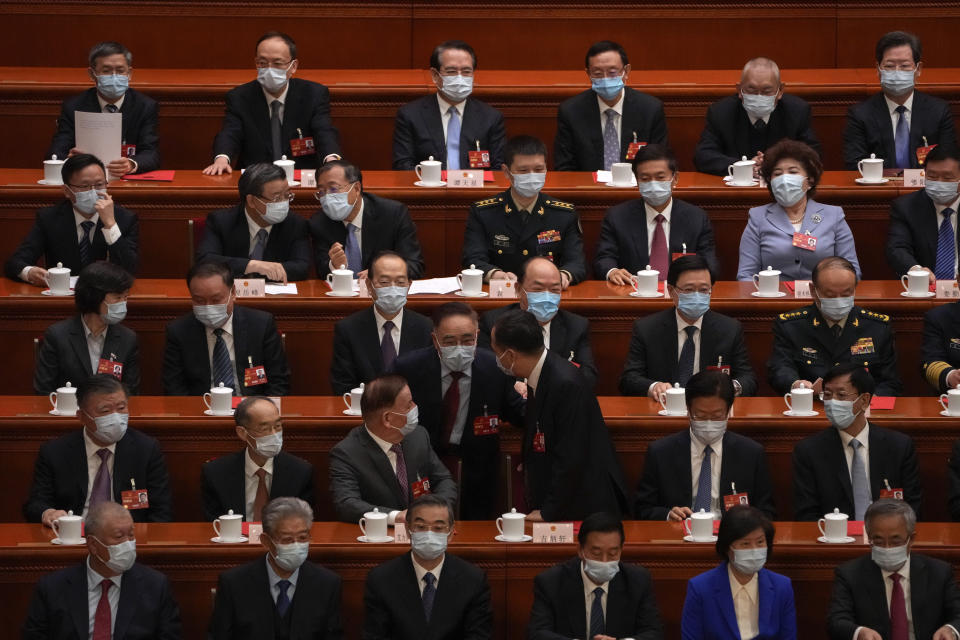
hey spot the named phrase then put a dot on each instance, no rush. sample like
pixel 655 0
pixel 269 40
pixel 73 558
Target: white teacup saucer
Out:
pixel 220 540
pixel 525 538
pixel 778 294
pixel 947 415
pixel 674 414
pixel 826 540
pixel 69 544
pixel 731 183
pixel 637 294
pixel 925 294
pixel 700 540
pixel 375 540
pixel 47 292
pixel 49 184
pixel 482 294
pixel 217 414
pixel 428 185
pixel 621 185
pixel 347 412
pixel 865 181
pixel 57 412
pixel 800 414
pixel 352 294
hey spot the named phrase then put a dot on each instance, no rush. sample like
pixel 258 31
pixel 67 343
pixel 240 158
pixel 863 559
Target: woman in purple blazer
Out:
pixel 740 599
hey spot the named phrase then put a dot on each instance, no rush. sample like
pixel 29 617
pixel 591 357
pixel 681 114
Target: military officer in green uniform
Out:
pixel 941 347
pixel 810 341
pixel 520 223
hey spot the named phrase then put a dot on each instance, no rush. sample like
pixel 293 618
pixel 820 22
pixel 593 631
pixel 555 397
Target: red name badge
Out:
pixel 674 256
pixel 128 150
pixel 539 442
pixel 486 425
pixel 252 376
pixel 135 499
pixel 735 499
pixel 302 147
pixel 479 159
pixel 805 241
pixel 111 367
pixel 633 148
pixel 724 368
pixel 922 153
pixel 896 494
pixel 420 488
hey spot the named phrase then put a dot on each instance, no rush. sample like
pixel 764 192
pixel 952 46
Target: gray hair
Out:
pixel 241 415
pixel 280 509
pixel 429 500
pixel 351 172
pixel 109 48
pixel 256 176
pixel 99 514
pixel 761 63
pixel 891 507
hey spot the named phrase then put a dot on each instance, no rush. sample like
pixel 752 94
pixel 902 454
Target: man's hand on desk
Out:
pixel 273 270
pixel 220 165
pixel 503 275
pixel 619 277
pixel 50 516
pixel 37 276
pixel 679 514
pixel 657 389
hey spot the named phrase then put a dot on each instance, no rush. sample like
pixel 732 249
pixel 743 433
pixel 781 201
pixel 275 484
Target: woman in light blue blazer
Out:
pixel 763 609
pixel 792 171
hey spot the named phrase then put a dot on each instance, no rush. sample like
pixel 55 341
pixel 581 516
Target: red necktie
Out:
pixel 659 256
pixel 451 405
pixel 898 611
pixel 101 619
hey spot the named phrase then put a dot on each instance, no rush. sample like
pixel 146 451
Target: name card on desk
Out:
pixel 503 289
pixel 801 289
pixel 250 287
pixel 400 534
pixel 914 178
pixel 254 529
pixel 947 289
pixel 553 533
pixel 465 179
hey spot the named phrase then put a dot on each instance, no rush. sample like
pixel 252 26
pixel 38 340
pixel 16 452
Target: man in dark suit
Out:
pixel 654 229
pixel 851 463
pixel 93 341
pixel 83 228
pixel 940 350
pixel 257 236
pixel 100 462
pixel 808 341
pixel 671 345
pixel 620 601
pixel 897 123
pixel 893 593
pixel 275 115
pixel 423 127
pixel 923 225
pixel 564 333
pixel 568 459
pixel 366 343
pixel 221 342
pixel 755 119
pixel 235 481
pixel 111 67
pixel 463 400
pixel 388 461
pixel 280 595
pixel 430 593
pixel 505 230
pixel 704 466
pixel 953 479
pixel 82 601
pixel 607 123
pixel 353 226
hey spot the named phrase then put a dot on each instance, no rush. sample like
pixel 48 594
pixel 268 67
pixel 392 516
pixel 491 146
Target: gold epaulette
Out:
pixel 489 202
pixel 793 315
pixel 559 204
pixel 879 317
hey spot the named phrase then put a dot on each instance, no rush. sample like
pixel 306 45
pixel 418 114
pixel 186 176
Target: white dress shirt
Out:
pixel 394 333
pixel 94 344
pixel 251 481
pixel 93 466
pixel 227 336
pixel 254 229
pixel 746 604
pixel 464 384
pixel 274 580
pixel 358 223
pixel 618 119
pixel 682 338
pixel 652 225
pixel 420 571
pixel 953 222
pixel 696 461
pixel 94 591
pixel 534 377
pixel 392 459
pixel 282 98
pixel 546 334
pixel 894 116
pixel 588 587
pixel 864 438
pixel 445 114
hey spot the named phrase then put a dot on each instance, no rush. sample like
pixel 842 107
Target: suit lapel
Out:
pixel 122 473
pixel 876 592
pixel 778 218
pixel 670 338
pixel 67 229
pixel 628 124
pixel 918 593
pixel 382 464
pixel 78 342
pixel 433 121
pixel 261 597
pixel 127 606
pixel 240 350
pixel 79 460
pixel 111 344
pixel 368 232
pixel 78 601
pixel 708 343
pixel 409 591
pixel 929 230
pixel 237 482
pixel 238 238
pixel 261 114
pixel 639 231
pixel 727 464
pixel 558 337
pixel 884 125
pixel 878 471
pixel 573 594
pixel 618 604
pixel 812 218
pixel 369 340
pixel 595 128
pixel 445 599
pixel 291 114
pixel 836 459
pixel 766 601
pixel 685 468
pixel 722 593
pixel 407 337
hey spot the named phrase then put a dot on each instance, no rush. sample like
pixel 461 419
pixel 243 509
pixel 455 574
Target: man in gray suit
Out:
pixel 387 461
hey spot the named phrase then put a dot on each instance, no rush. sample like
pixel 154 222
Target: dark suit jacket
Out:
pixel 558 606
pixel 624 244
pixel 728 134
pixel 226 238
pixel 859 598
pixel 223 482
pixel 578 473
pixel 569 335
pixel 913 233
pixel 940 349
pixel 146 610
pixel 667 477
pixel 492 394
pixel 579 142
pixel 821 477
pixel 244 608
pixel 54 238
pixel 393 608
pixel 60 476
pixel 953 477
pixel 653 351
pixel 418 133
pixel 386 225
pixel 64 356
pixel 186 360
pixel 139 114
pixel 361 477
pixel 245 135
pixel 356 346
pixel 870 129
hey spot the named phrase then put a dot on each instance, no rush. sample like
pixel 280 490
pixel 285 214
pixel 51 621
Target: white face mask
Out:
pixel 269 445
pixel 276 212
pixel 122 555
pixel 601 572
pixel 289 557
pixel 273 80
pixel 889 558
pixel 412 417
pixel 749 560
pixel 708 431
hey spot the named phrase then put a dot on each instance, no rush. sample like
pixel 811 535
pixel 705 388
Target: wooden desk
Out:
pixel 313 425
pixel 440 214
pixel 184 553
pixel 308 319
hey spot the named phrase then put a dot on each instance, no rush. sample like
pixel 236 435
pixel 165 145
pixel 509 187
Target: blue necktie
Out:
pixel 902 139
pixel 222 369
pixel 685 362
pixel 352 250
pixel 259 245
pixel 858 477
pixel 946 248
pixel 705 484
pixel 85 242
pixel 453 140
pixel 597 624
pixel 611 143
pixel 283 602
pixel 429 593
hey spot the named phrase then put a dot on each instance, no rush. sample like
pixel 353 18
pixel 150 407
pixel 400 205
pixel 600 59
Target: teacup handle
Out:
pixel 786 399
pixel 53 399
pixel 903 281
pixel 216 527
pixel 730 171
pixel 330 280
pixel 820 525
pixel 460 280
pixel 363 528
pixel 756 281
pixel 635 281
pixel 206 400
pixel 56 527
pixel 417 170
pixel 662 401
pixel 686 527
pixel 500 525
pixel 346 401
pixel 943 404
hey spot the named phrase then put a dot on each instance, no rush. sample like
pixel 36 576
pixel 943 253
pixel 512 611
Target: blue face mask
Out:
pixel 543 304
pixel 391 299
pixel 336 205
pixel 429 545
pixel 897 83
pixel 941 192
pixel 758 106
pixel 112 87
pixel 458 357
pixel 655 193
pixel 694 304
pixel 457 88
pixel 788 189
pixel 528 184
pixel 86 201
pixel 276 212
pixel 839 413
pixel 749 560
pixel 607 88
pixel 116 312
pixel 836 309
pixel 211 315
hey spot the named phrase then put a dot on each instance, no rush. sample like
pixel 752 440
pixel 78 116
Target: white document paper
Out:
pixel 99 134
pixel 435 285
pixel 278 289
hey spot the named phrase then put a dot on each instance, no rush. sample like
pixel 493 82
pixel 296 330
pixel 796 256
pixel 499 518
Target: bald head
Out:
pixel 540 274
pixel 760 76
pixel 106 516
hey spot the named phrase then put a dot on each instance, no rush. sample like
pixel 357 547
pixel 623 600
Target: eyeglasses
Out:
pixel 903 66
pixel 453 342
pixel 280 198
pixel 843 395
pixel 610 73
pixel 702 290
pixel 305 537
pixel 383 282
pixel 274 64
pixel 332 189
pixel 453 71
pixel 99 186
pixel 419 527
